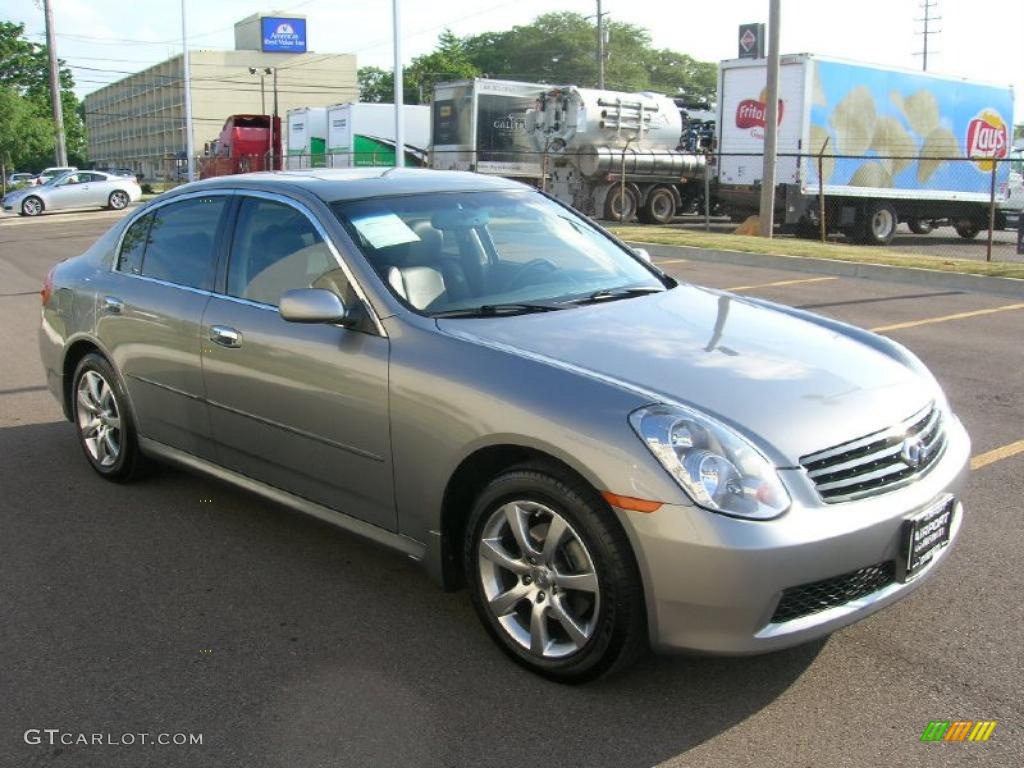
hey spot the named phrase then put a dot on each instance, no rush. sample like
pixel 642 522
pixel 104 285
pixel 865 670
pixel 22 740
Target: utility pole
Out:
pixel 262 72
pixel 600 47
pixel 399 94
pixel 186 72
pixel 928 7
pixel 766 218
pixel 60 148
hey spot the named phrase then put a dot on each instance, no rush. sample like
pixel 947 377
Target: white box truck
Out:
pixel 902 145
pixel 361 134
pixel 480 125
pixel 307 138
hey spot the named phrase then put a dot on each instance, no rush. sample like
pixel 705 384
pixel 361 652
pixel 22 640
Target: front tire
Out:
pixel 118 200
pixel 106 430
pixel 553 578
pixel 879 224
pixel 619 207
pixel 32 206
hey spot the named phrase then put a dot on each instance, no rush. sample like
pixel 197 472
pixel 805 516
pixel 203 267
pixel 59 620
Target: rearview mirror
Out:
pixel 643 254
pixel 313 305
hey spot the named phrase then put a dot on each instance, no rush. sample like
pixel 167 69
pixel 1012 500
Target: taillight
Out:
pixel 47 291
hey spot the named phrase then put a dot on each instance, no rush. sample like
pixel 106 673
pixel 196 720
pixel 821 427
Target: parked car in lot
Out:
pixel 48 173
pixel 75 189
pixel 458 367
pixel 18 178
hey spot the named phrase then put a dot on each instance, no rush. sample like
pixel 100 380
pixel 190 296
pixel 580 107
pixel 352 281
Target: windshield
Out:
pixel 55 180
pixel 445 252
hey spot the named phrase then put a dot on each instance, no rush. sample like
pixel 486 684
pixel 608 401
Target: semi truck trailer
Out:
pixel 616 155
pixel 896 146
pixel 361 134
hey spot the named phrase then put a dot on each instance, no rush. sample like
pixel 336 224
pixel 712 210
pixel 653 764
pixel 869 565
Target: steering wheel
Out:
pixel 534 265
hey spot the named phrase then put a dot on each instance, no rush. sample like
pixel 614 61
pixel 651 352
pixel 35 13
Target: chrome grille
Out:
pixel 878 462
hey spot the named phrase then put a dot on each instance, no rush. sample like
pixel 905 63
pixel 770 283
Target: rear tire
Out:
pixel 570 608
pixel 968 230
pixel 118 200
pixel 660 206
pixel 920 226
pixel 103 419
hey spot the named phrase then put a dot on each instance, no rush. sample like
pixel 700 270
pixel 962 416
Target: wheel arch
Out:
pixel 73 355
pixel 466 482
pixel 42 203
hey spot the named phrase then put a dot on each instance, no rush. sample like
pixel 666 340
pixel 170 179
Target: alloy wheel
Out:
pixel 118 200
pixel 32 207
pixel 99 420
pixel 538 579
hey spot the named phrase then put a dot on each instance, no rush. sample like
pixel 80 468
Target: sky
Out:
pixel 979 39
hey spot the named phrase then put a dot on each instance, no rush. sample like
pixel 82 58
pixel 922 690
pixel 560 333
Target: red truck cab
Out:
pixel 244 145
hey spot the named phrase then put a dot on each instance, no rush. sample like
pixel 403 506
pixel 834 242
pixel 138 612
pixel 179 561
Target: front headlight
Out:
pixel 720 470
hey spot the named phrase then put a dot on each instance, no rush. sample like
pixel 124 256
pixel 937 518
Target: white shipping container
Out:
pixel 307 138
pixel 364 134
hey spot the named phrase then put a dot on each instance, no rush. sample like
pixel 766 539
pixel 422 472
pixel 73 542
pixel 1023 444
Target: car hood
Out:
pixel 795 387
pixel 18 194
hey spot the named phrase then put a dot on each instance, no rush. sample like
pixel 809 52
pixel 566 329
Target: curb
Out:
pixel 928 278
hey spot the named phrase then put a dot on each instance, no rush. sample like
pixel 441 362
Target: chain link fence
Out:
pixel 938 205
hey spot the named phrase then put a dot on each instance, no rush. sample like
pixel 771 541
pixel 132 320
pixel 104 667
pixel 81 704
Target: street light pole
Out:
pixel 399 95
pixel 766 217
pixel 600 47
pixel 186 72
pixel 60 148
pixel 263 95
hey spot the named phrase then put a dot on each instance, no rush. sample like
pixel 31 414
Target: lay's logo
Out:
pixel 753 113
pixel 988 139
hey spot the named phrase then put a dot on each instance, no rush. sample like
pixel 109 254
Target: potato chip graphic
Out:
pixel 818 98
pixel 853 120
pixel 816 141
pixel 939 145
pixel 871 174
pixel 893 145
pixel 921 109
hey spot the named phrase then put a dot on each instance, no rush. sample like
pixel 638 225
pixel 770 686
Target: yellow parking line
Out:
pixel 944 318
pixel 781 282
pixel 671 261
pixel 997 454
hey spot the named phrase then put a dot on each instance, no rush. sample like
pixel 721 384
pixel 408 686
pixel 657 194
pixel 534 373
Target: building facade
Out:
pixel 138 122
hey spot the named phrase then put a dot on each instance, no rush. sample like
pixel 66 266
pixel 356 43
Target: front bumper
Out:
pixel 712 583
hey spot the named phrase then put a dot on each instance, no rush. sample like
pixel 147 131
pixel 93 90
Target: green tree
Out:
pixel 448 61
pixel 376 85
pixel 25 82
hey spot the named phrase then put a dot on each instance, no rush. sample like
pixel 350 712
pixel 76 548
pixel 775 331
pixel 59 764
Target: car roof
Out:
pixel 333 184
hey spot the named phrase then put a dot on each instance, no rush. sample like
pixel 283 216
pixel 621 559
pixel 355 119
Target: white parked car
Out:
pixel 19 178
pixel 76 189
pixel 49 173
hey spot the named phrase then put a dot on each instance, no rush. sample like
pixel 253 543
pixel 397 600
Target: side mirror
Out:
pixel 313 305
pixel 643 254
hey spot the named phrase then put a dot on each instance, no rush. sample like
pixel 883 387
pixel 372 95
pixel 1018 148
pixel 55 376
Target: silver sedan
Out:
pixel 465 370
pixel 75 189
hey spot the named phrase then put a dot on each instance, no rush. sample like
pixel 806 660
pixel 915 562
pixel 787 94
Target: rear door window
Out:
pixel 180 247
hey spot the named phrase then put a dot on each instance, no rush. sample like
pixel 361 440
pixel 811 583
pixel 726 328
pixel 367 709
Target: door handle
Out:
pixel 225 336
pixel 113 305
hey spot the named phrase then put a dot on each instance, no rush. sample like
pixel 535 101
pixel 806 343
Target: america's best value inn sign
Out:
pixel 284 35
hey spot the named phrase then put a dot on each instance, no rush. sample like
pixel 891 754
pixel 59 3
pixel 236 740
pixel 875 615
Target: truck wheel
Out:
pixel 879 224
pixel 968 230
pixel 617 208
pixel 920 226
pixel 660 206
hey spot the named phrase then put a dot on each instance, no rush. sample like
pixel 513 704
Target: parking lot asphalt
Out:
pixel 178 604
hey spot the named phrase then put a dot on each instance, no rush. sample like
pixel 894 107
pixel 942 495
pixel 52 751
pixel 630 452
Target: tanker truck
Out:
pixel 590 140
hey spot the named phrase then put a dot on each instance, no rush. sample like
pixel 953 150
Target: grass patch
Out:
pixel 811 249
